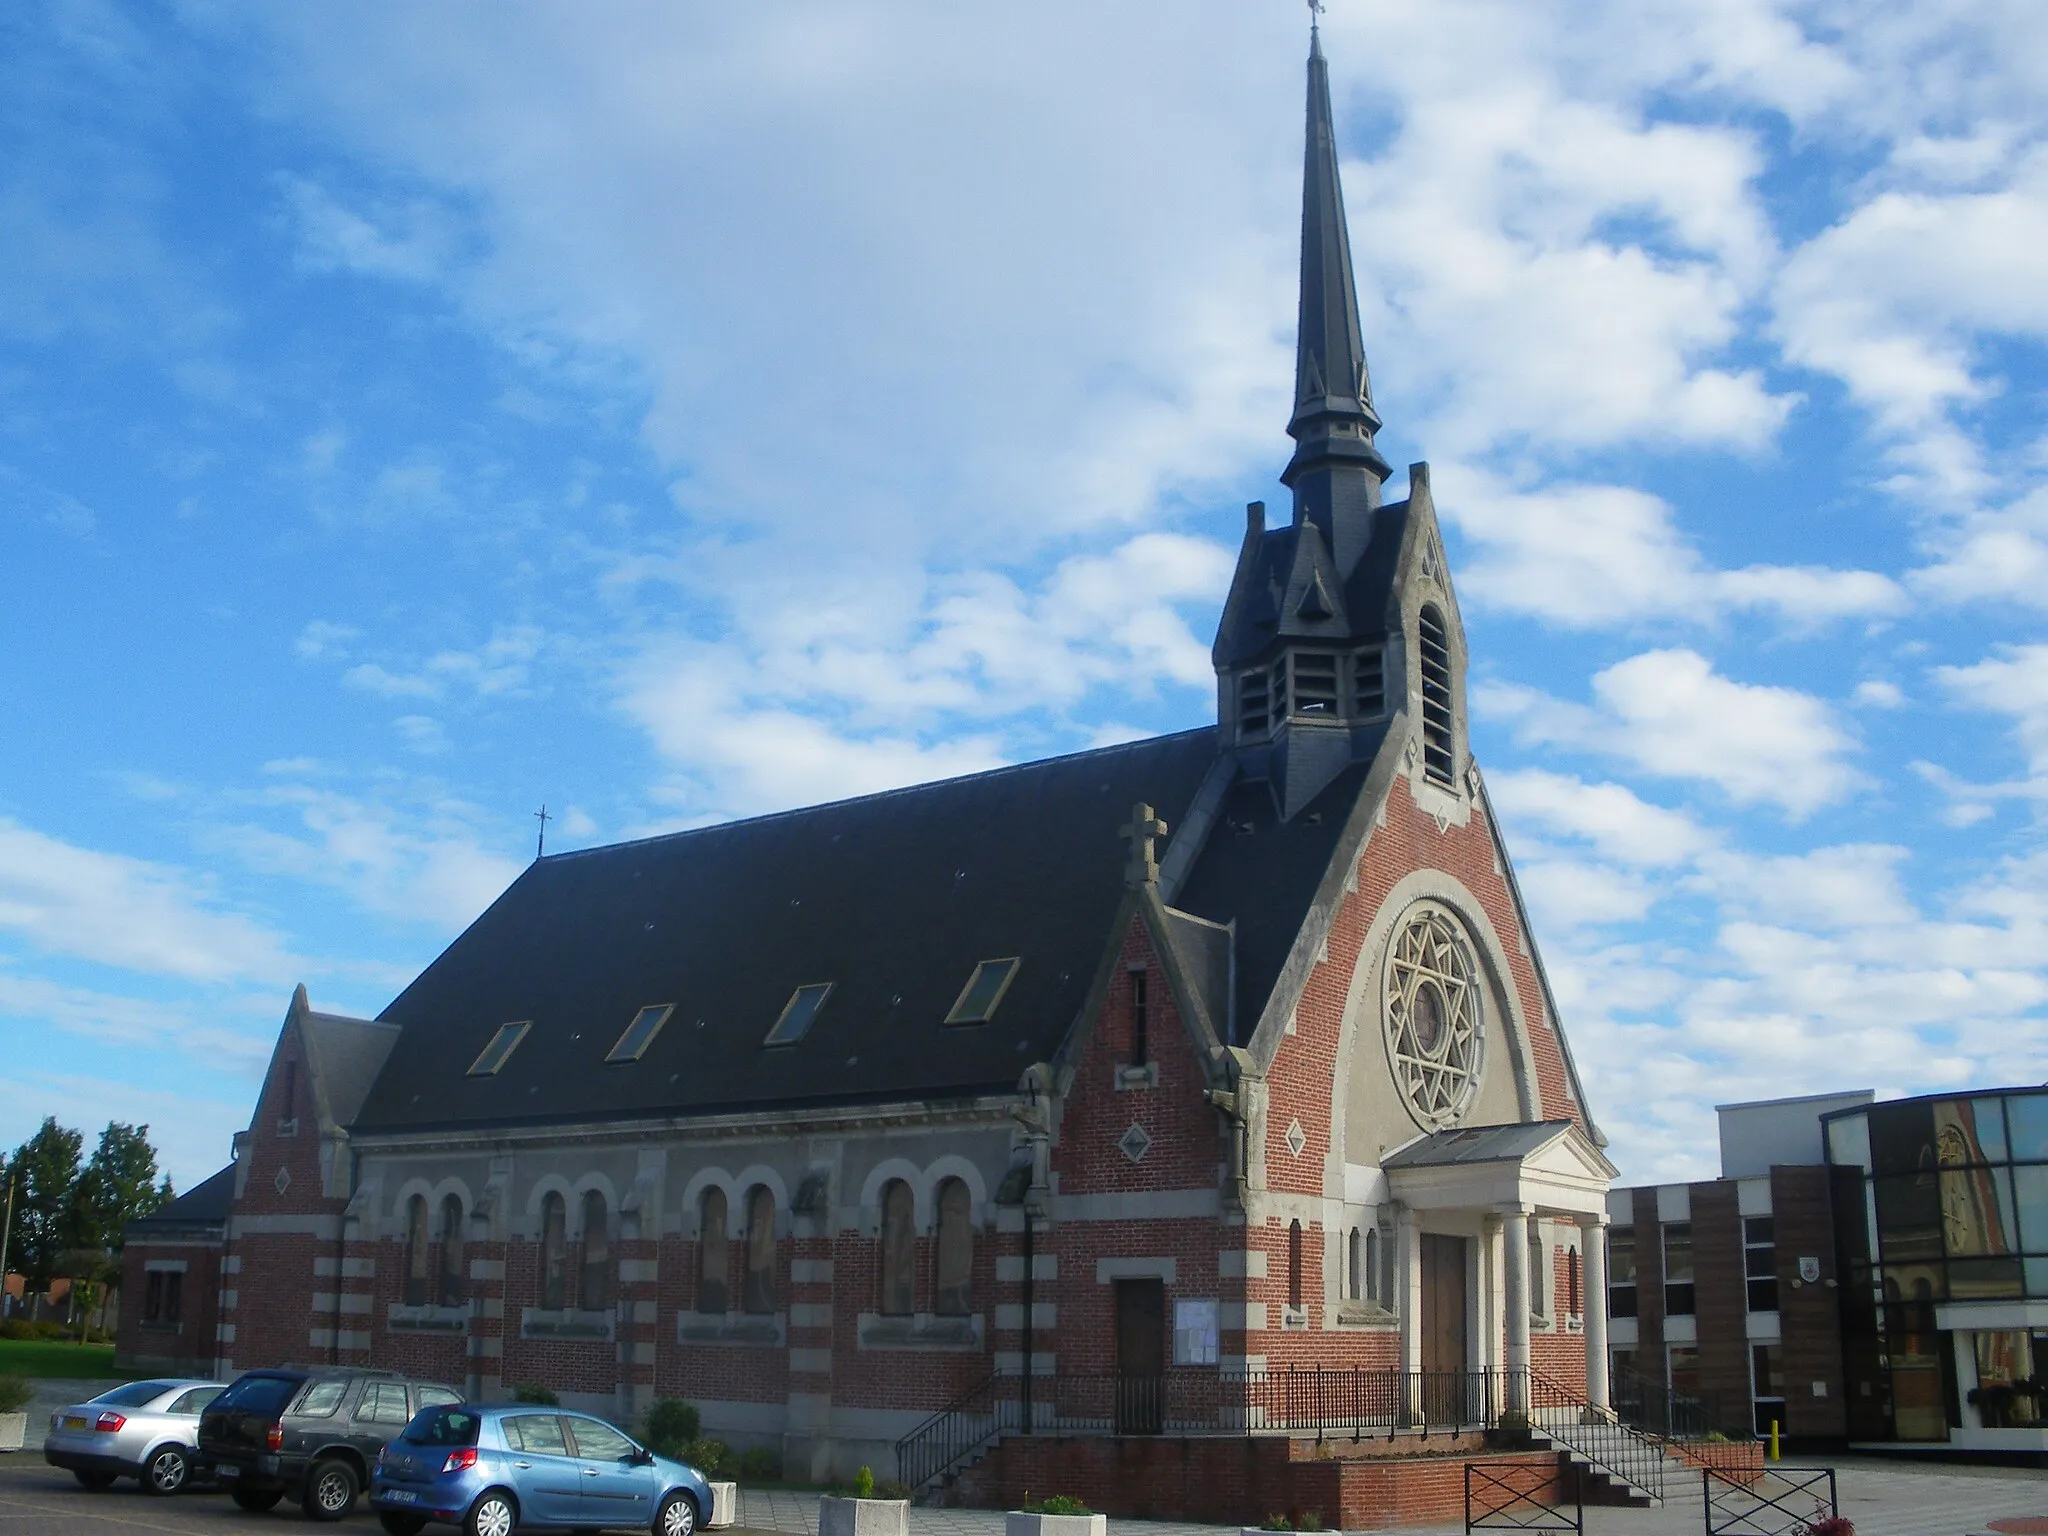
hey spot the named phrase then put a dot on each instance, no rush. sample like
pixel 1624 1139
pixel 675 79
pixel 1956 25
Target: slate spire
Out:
pixel 1336 471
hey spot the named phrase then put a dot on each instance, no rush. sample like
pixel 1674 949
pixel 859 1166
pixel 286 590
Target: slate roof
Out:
pixel 892 898
pixel 1266 596
pixel 205 1204
pixel 1477 1144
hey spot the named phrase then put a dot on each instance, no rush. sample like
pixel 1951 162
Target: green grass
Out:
pixel 50 1357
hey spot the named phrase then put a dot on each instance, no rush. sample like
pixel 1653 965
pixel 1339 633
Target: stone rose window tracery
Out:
pixel 1435 1031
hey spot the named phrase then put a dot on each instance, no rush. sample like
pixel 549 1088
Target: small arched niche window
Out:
pixel 594 1291
pixel 554 1253
pixel 1354 1265
pixel 1294 1265
pixel 1374 1290
pixel 1439 751
pixel 953 1280
pixel 899 1250
pixel 452 1289
pixel 711 1254
pixel 758 1294
pixel 1539 1274
pixel 416 1251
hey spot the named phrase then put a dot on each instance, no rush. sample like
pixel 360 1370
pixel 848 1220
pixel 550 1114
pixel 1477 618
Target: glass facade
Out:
pixel 1938 1201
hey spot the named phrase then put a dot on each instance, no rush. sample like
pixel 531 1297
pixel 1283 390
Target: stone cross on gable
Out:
pixel 1143 830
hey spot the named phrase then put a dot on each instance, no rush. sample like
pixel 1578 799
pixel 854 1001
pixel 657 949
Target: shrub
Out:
pixel 1833 1525
pixel 535 1393
pixel 759 1464
pixel 708 1456
pixel 1312 1520
pixel 891 1489
pixel 671 1425
pixel 864 1483
pixel 1065 1504
pixel 14 1393
pixel 1276 1523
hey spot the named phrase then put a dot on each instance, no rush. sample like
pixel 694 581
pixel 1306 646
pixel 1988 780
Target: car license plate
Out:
pixel 73 1421
pixel 227 1470
pixel 400 1496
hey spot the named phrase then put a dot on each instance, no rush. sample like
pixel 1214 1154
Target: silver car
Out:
pixel 144 1430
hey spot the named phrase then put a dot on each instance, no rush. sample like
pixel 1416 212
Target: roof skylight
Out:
pixel 503 1044
pixel 985 988
pixel 641 1032
pixel 799 1014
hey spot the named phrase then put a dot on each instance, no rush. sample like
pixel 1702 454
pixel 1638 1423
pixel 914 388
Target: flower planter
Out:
pixel 1017 1523
pixel 13 1431
pixel 725 1506
pixel 863 1517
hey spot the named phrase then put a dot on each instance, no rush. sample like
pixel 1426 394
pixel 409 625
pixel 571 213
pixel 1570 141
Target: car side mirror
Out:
pixel 641 1457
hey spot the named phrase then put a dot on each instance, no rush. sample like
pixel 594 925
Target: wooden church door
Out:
pixel 1443 1327
pixel 1140 1356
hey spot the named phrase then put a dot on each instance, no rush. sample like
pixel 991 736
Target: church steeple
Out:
pixel 1336 471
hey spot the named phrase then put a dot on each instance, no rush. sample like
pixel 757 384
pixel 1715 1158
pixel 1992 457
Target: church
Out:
pixel 1118 1094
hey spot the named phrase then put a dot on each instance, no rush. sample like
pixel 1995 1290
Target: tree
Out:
pixel 117 1185
pixel 45 1213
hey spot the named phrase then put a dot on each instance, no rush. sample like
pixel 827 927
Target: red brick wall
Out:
pixel 1721 1302
pixel 188 1347
pixel 1808 1315
pixel 1220 1479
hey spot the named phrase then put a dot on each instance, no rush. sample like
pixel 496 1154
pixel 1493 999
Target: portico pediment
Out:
pixel 1548 1165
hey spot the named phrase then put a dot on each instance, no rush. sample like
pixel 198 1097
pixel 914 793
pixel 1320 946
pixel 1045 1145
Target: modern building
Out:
pixel 1863 1274
pixel 1134 1078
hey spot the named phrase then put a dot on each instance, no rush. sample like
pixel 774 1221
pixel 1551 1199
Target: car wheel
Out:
pixel 677 1516
pixel 166 1471
pixel 330 1491
pixel 93 1480
pixel 492 1515
pixel 255 1500
pixel 396 1524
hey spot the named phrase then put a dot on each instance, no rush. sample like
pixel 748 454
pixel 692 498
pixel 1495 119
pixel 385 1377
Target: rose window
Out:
pixel 1434 1030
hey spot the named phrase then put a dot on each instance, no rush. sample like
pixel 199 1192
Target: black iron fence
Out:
pixel 1768 1501
pixel 1515 1496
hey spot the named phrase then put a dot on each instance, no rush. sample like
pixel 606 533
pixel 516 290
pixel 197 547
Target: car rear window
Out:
pixel 134 1395
pixel 322 1398
pixel 442 1426
pixel 259 1394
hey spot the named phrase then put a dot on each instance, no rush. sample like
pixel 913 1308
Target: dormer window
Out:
pixel 632 1045
pixel 1368 683
pixel 799 1014
pixel 985 988
pixel 503 1044
pixel 1439 756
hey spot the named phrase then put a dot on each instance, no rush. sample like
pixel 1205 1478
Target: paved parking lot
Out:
pixel 1882 1498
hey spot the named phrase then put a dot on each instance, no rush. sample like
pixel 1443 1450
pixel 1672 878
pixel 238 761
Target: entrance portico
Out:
pixel 1496 1179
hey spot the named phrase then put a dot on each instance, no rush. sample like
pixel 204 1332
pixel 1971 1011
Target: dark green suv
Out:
pixel 308 1433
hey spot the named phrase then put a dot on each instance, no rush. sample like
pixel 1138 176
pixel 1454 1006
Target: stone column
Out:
pixel 1593 1303
pixel 1411 1307
pixel 1515 1242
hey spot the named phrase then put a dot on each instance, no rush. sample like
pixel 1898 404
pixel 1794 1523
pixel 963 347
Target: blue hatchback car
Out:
pixel 520 1467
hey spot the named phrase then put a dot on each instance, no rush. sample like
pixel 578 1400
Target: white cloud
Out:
pixel 1876 693
pixel 323 638
pixel 1584 556
pixel 2012 681
pixel 1671 714
pixel 127 912
pixel 1613 818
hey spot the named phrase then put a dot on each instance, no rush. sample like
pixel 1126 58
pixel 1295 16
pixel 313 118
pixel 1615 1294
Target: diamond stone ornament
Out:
pixel 1435 1031
pixel 1297 1138
pixel 1135 1143
pixel 283 1181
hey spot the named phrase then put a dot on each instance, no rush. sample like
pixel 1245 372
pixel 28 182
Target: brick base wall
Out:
pixel 1216 1480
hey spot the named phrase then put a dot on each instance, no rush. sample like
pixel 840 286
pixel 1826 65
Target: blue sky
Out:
pixel 411 414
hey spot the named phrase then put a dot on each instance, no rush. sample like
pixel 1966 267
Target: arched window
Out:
pixel 1439 754
pixel 1372 1266
pixel 1294 1265
pixel 1571 1277
pixel 1384 1269
pixel 452 1289
pixel 554 1253
pixel 758 1295
pixel 899 1250
pixel 953 1291
pixel 711 1260
pixel 594 1290
pixel 416 1251
pixel 1539 1274
pixel 1354 1257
